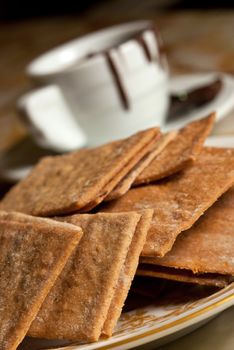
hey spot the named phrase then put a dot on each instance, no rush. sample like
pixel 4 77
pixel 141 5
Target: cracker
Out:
pixel 122 174
pixel 208 246
pixel 207 279
pixel 181 200
pixel 125 184
pixel 14 216
pixel 31 259
pixel 127 273
pixel 77 305
pixel 68 183
pixel 180 152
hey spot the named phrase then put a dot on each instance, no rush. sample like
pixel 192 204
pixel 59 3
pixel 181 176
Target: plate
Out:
pixel 222 104
pixel 153 325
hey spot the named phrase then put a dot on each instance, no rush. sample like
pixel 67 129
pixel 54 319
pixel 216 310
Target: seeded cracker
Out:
pixel 68 183
pixel 180 152
pixel 125 184
pixel 180 201
pixel 77 306
pixel 127 273
pixel 32 256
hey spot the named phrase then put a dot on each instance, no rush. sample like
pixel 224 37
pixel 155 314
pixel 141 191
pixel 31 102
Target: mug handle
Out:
pixel 47 116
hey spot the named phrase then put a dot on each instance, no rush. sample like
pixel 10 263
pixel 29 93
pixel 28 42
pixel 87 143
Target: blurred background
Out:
pixel 198 36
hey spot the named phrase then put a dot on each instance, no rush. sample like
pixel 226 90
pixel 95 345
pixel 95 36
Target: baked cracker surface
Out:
pixel 128 271
pixel 68 183
pixel 109 190
pixel 208 246
pixel 181 200
pixel 31 259
pixel 77 305
pixel 180 152
pixel 125 184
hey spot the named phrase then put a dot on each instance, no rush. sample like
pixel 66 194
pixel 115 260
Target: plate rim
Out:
pixel 213 305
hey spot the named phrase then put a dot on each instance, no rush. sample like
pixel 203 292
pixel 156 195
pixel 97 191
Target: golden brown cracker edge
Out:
pixel 180 275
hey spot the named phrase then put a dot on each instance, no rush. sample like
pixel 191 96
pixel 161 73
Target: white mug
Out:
pixel 98 88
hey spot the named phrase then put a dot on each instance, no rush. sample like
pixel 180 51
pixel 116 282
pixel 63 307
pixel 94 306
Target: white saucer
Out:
pixel 18 162
pixel 222 104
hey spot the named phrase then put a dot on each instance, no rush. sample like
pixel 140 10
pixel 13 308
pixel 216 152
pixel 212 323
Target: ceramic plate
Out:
pixel 222 104
pixel 155 324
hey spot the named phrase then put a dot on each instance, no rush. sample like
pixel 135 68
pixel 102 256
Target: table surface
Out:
pixel 195 41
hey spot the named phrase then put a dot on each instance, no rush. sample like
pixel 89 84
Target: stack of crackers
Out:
pixel 79 227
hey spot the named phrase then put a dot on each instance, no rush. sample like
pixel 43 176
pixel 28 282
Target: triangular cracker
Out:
pixel 69 183
pixel 77 305
pixel 180 275
pixel 128 271
pixel 208 246
pixel 125 184
pixel 179 153
pixel 181 200
pixel 31 258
